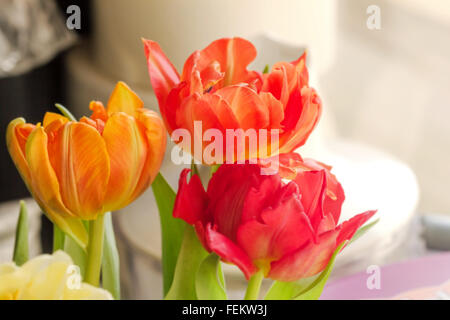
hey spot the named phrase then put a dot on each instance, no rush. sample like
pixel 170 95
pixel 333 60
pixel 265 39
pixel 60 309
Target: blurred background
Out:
pixel 381 67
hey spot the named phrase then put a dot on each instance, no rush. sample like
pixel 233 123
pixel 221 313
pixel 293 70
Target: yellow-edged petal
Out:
pixel 127 150
pixel 155 133
pixel 15 142
pixel 51 116
pixel 45 187
pixel 78 156
pixel 124 99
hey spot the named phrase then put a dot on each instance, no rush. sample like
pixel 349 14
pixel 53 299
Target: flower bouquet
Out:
pixel 261 206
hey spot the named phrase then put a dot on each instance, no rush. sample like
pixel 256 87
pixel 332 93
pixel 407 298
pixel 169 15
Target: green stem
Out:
pixel 95 250
pixel 254 285
pixel 58 238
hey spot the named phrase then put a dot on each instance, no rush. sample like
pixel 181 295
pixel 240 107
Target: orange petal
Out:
pixel 124 99
pixel 16 137
pixel 310 112
pixel 163 74
pixel 51 116
pixel 153 129
pixel 45 187
pixel 80 161
pixel 275 108
pixel 248 108
pixel 233 55
pixel 127 149
pixel 302 71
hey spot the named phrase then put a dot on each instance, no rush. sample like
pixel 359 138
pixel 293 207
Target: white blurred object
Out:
pixel 9 213
pixel 31 33
pixel 184 26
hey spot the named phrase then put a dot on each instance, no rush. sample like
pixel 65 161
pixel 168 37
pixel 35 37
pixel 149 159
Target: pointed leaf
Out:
pixel 65 112
pixel 78 255
pixel 191 256
pixel 20 255
pixel 171 229
pixel 209 283
pixel 110 264
pixel 281 290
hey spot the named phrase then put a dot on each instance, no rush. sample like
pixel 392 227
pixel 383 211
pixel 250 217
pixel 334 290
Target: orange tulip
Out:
pixel 216 89
pixel 78 170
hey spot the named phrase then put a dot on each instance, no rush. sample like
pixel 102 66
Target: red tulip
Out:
pixel 216 88
pixel 258 222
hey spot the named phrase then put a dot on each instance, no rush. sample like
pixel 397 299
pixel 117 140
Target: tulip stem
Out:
pixel 254 285
pixel 95 250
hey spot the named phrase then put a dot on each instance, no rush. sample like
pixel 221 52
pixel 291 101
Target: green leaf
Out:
pixel 194 169
pixel 110 264
pixel 213 170
pixel 209 282
pixel 361 231
pixel 20 255
pixel 171 229
pixel 58 238
pixel 65 112
pixel 191 256
pixel 266 69
pixel 78 255
pixel 314 291
pixel 281 290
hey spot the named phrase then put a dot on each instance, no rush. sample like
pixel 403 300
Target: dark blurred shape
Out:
pixel 436 231
pixel 28 95
pixel 85 13
pixel 33 38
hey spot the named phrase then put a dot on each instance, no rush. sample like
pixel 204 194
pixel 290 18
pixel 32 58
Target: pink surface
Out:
pixel 432 270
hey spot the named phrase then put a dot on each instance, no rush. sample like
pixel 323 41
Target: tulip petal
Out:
pixel 127 149
pixel 155 133
pixel 302 114
pixel 275 108
pixel 302 71
pixel 281 230
pixel 163 74
pixel 228 207
pixel 191 201
pixel 312 185
pixel 233 56
pixel 248 108
pixel 348 228
pixel 17 134
pixel 306 261
pixel 78 156
pixel 229 251
pixel 335 193
pixel 51 116
pixel 122 99
pixel 46 190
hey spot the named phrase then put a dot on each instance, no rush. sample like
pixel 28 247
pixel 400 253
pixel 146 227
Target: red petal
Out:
pixel 335 193
pixel 282 229
pixel 348 228
pixel 163 74
pixel 306 261
pixel 191 201
pixel 229 251
pixel 312 185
